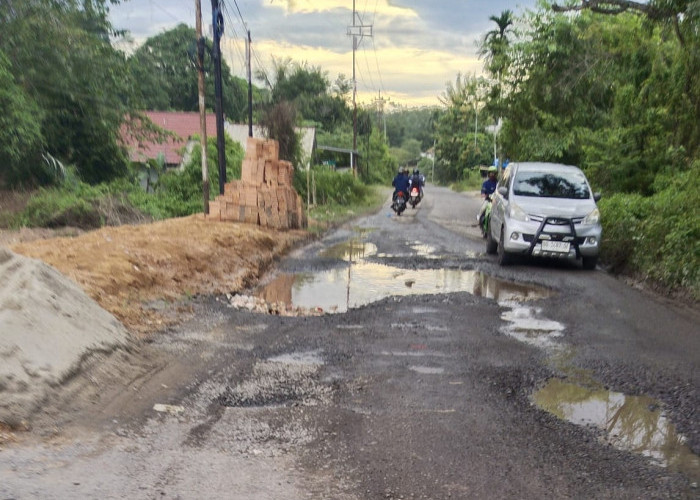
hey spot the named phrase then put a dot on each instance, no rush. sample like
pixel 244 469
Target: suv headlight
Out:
pixel 517 213
pixel 592 218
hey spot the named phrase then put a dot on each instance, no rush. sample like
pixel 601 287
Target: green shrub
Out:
pixel 70 205
pixel 179 193
pixel 331 187
pixel 621 217
pixel 471 180
pixel 659 235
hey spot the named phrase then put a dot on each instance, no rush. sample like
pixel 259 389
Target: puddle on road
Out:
pixel 524 323
pixel 350 251
pixel 362 283
pixel 632 423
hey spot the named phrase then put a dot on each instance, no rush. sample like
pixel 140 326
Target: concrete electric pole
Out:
pixel 218 29
pixel 202 107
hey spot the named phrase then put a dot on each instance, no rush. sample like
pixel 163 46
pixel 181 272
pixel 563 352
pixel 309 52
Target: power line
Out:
pixel 235 37
pixel 369 72
pixel 374 47
pixel 240 15
pixel 260 67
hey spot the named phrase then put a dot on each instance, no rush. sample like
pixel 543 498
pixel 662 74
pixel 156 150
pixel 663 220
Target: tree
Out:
pixel 279 121
pixel 610 93
pixel 454 129
pixel 165 76
pixel 308 89
pixel 495 44
pixel 61 57
pixel 20 133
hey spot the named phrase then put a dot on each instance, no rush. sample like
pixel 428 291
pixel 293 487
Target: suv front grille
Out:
pixel 556 221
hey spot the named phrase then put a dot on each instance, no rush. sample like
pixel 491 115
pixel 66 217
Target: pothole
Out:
pixel 291 382
pixel 524 323
pixel 361 283
pixel 351 251
pixel 632 423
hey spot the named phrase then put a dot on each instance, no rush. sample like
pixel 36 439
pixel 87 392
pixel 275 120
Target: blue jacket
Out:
pixel 489 186
pixel 401 183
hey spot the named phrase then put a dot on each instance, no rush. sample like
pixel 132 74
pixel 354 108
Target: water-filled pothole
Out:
pixel 361 283
pixel 632 423
pixel 526 324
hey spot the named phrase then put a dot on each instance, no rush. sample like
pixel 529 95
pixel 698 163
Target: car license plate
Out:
pixel 556 246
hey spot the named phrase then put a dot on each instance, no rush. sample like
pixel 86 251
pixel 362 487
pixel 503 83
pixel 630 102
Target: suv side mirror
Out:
pixel 597 197
pixel 503 191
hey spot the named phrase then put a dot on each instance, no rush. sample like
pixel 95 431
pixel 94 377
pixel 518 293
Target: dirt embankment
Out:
pixel 123 268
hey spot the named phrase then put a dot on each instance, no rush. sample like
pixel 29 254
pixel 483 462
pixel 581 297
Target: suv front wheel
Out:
pixel 504 258
pixel 589 263
pixel 491 244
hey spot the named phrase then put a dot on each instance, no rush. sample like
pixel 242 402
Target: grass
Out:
pixel 323 217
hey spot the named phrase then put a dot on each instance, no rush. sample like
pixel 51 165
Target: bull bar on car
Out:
pixel 542 235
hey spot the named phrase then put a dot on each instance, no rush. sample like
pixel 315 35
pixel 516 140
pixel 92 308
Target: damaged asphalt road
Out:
pixel 463 380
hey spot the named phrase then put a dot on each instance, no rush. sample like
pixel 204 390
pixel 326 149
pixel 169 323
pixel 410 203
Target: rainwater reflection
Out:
pixel 632 423
pixel 362 283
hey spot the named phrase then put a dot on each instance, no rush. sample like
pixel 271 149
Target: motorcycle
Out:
pixel 415 197
pixel 399 204
pixel 485 218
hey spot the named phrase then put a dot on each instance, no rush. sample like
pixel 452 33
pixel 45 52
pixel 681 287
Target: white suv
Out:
pixel 544 210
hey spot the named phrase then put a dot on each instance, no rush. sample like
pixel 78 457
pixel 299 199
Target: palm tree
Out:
pixel 494 48
pixel 495 44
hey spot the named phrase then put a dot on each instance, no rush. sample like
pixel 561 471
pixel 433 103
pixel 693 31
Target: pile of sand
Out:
pixel 48 325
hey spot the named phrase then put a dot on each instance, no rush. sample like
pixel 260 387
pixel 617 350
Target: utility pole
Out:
pixel 250 87
pixel 202 107
pixel 357 31
pixel 218 28
pixel 379 102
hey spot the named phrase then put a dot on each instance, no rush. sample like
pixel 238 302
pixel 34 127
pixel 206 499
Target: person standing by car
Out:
pixel 488 187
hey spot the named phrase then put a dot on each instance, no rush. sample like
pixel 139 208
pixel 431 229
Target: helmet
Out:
pixel 492 169
pixel 416 172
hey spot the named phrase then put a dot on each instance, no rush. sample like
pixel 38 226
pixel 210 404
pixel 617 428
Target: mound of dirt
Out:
pixel 124 268
pixel 51 321
pixel 48 325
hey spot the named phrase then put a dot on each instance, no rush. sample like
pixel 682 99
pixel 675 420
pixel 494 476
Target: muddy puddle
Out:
pixel 631 423
pixel 524 322
pixel 361 283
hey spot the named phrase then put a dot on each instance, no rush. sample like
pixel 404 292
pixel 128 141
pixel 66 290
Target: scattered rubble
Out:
pixel 259 305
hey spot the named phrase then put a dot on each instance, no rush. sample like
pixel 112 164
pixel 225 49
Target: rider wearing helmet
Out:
pixel 417 180
pixel 401 182
pixel 488 187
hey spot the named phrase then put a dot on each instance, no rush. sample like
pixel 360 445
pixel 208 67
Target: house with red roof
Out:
pixel 183 126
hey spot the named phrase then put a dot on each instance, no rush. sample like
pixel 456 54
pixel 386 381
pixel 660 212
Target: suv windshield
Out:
pixel 551 185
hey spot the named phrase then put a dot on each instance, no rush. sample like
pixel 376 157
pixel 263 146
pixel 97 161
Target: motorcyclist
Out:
pixel 417 179
pixel 401 183
pixel 488 187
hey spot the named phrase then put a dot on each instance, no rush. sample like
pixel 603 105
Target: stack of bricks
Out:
pixel 264 195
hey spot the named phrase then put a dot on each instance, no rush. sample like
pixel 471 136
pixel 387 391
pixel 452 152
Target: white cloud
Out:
pixel 417 47
pixel 308 6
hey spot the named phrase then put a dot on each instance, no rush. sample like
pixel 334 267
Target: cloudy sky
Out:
pixel 416 47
